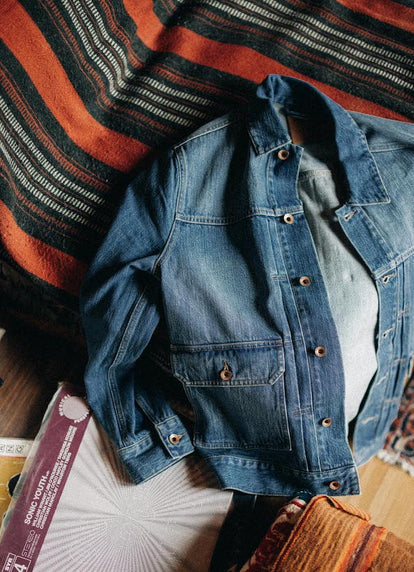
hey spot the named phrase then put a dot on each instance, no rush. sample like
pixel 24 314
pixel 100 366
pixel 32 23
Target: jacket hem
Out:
pixel 265 478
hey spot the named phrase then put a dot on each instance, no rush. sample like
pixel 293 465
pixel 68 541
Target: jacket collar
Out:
pixel 301 99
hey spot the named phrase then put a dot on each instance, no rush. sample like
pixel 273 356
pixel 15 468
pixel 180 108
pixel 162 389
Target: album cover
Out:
pixel 76 508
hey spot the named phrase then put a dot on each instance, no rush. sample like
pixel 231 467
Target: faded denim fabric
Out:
pixel 212 240
pixel 351 290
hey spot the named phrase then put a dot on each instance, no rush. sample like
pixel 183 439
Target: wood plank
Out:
pixel 31 366
pixel 387 494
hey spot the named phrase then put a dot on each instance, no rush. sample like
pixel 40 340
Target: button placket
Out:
pixel 311 301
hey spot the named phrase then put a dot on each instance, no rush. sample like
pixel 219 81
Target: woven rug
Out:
pixel 91 88
pixel 399 445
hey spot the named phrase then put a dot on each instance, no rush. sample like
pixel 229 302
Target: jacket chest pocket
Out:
pixel 237 392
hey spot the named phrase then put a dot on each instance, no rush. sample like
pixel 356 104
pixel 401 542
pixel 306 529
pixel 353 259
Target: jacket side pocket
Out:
pixel 238 393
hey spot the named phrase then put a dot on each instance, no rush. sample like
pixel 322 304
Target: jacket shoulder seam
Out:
pixel 216 126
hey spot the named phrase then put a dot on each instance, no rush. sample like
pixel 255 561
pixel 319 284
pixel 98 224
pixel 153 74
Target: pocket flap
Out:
pixel 235 364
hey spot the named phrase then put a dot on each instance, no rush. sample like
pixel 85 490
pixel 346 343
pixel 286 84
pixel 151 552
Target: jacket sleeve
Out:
pixel 120 304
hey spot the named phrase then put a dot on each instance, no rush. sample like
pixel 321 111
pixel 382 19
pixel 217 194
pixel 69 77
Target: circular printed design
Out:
pixel 74 408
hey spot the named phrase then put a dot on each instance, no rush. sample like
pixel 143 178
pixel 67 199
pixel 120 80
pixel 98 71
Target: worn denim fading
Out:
pixel 351 290
pixel 201 242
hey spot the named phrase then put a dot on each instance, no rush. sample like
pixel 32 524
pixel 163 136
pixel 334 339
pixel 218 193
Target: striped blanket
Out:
pixel 329 534
pixel 89 89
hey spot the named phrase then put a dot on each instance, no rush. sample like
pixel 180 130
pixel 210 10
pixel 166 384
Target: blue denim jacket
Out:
pixel 202 242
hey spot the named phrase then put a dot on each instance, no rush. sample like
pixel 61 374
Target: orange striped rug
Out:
pixel 89 88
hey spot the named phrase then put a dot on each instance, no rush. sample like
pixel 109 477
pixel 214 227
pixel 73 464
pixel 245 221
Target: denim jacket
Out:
pixel 212 240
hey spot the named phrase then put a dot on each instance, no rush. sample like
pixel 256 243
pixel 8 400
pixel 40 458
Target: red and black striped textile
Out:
pixel 90 88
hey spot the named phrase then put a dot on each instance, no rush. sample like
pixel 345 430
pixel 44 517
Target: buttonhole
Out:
pixel 369 419
pixel 385 279
pixel 385 334
pixel 349 215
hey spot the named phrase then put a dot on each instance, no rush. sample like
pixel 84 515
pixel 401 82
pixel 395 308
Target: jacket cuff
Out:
pixel 156 452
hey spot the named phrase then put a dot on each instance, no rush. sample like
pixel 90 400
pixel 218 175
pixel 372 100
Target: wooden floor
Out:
pixel 388 495
pixel 32 364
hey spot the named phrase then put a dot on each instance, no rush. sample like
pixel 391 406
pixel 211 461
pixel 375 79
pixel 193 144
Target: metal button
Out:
pixel 174 439
pixel 334 485
pixel 327 422
pixel 320 351
pixel 304 280
pixel 283 154
pixel 226 373
pixel 288 218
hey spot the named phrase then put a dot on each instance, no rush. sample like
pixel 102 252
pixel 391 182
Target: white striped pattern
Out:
pixel 41 159
pixel 44 199
pixel 123 83
pixel 326 38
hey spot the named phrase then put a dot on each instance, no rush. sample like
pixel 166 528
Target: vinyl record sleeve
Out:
pixel 77 509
